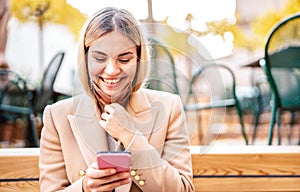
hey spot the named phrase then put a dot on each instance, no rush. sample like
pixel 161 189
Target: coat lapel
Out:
pixel 91 137
pixel 144 112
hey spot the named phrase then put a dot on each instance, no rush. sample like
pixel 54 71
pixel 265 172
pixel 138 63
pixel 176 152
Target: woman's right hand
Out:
pixel 103 179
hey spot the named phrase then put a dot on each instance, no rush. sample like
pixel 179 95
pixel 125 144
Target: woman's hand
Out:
pixel 118 123
pixel 104 179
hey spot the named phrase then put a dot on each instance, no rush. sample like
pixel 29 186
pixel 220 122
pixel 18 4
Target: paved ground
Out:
pixel 228 132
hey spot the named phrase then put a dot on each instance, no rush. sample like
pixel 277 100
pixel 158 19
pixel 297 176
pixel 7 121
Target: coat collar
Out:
pixel 91 137
pixel 87 131
pixel 138 103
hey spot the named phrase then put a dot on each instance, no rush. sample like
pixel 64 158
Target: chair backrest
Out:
pixel 282 62
pixel 213 81
pixel 45 92
pixel 162 74
pixel 14 90
pixel 213 86
pixel 16 102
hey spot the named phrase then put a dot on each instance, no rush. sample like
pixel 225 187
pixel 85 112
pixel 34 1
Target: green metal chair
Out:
pixel 15 102
pixel 261 102
pixel 162 74
pixel 219 81
pixel 45 93
pixel 281 65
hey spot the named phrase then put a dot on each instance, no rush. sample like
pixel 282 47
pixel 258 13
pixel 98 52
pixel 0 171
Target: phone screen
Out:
pixel 114 159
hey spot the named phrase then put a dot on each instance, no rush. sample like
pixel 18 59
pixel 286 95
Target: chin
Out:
pixel 112 93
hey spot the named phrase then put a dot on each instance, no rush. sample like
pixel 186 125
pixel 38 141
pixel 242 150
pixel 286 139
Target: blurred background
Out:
pixel 194 31
pixel 233 30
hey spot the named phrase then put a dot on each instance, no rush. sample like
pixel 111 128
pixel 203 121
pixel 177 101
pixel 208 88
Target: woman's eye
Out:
pixel 124 60
pixel 100 59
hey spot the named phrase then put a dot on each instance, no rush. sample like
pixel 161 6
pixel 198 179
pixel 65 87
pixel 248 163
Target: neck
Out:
pixel 103 99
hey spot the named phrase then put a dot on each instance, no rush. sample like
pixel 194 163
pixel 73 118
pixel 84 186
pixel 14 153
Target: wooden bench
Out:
pixel 217 168
pixel 19 169
pixel 246 168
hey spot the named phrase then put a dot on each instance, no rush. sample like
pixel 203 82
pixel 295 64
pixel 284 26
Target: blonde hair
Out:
pixel 105 21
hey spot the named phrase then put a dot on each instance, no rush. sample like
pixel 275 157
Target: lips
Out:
pixel 111 82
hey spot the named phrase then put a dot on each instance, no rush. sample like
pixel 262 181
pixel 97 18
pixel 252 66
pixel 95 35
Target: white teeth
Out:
pixel 111 81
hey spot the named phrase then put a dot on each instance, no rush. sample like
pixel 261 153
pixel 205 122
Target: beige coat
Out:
pixel 72 135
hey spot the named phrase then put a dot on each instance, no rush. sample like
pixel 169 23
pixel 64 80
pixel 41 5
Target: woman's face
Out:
pixel 112 62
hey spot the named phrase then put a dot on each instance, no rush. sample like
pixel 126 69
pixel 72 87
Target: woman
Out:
pixel 115 110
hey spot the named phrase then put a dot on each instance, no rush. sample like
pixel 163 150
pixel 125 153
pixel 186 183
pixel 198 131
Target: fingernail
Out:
pixel 126 174
pixel 113 171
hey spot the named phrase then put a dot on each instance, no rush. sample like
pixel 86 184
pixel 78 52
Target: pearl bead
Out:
pixel 132 172
pixel 137 177
pixel 141 182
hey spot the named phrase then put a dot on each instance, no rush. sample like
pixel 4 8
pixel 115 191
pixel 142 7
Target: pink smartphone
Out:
pixel 114 159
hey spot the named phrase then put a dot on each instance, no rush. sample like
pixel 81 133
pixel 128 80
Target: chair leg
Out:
pixel 199 128
pixel 272 122
pixel 292 123
pixel 240 114
pixel 299 137
pixel 256 123
pixel 257 112
pixel 278 120
pixel 32 134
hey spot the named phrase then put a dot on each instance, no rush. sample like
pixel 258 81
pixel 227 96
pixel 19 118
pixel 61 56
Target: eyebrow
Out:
pixel 126 53
pixel 120 55
pixel 99 52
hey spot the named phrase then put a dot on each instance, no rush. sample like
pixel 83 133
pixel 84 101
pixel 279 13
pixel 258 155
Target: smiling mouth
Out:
pixel 111 81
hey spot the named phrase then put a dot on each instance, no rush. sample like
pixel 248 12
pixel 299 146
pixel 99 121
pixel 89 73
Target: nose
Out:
pixel 112 68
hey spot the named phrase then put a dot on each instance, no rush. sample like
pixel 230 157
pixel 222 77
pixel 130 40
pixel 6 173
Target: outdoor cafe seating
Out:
pixel 282 49
pixel 281 64
pixel 222 94
pixel 20 99
pixel 16 102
